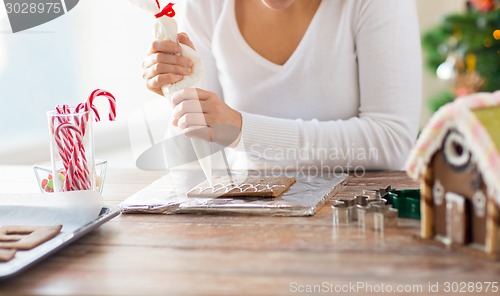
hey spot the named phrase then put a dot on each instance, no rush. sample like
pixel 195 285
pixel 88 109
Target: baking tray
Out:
pixel 26 259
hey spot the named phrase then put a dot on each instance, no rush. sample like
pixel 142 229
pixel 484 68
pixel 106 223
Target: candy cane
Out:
pixel 81 107
pixel 70 159
pixel 64 153
pixel 89 105
pixel 82 165
pixel 64 142
pixel 69 131
pixel 80 162
pixel 63 110
pixel 72 170
pixel 102 93
pixel 68 151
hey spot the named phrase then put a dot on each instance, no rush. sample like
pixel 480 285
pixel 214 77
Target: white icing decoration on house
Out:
pixel 453 221
pixel 438 193
pixel 479 201
pixel 454 157
pixel 245 187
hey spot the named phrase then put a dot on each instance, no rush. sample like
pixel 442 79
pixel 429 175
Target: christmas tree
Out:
pixel 464 49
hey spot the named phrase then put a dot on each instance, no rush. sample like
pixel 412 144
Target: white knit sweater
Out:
pixel 350 95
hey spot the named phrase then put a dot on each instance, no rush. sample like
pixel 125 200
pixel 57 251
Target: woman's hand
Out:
pixel 203 114
pixel 164 65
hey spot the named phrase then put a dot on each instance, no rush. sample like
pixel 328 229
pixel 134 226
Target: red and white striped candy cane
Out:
pixel 69 133
pixel 62 110
pixel 76 177
pixel 89 105
pixel 81 181
pixel 111 99
pixel 64 142
pixel 82 124
pixel 65 154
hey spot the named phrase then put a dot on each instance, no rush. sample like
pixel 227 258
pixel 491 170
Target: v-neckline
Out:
pixel 257 56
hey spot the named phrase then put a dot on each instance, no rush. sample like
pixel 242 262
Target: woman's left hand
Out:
pixel 200 113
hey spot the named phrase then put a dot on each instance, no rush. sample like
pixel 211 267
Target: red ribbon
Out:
pixel 166 11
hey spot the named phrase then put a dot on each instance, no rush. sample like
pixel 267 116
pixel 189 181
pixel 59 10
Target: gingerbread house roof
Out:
pixel 477 117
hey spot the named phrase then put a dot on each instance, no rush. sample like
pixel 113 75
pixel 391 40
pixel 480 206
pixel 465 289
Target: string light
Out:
pixel 496 34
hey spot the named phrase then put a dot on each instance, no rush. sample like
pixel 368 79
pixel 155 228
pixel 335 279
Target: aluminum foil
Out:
pixel 167 195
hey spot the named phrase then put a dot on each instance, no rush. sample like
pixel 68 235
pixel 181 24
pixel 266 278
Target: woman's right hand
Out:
pixel 164 64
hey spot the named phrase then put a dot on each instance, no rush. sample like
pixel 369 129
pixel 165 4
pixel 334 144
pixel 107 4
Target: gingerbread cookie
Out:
pixel 7 254
pixel 26 237
pixel 243 187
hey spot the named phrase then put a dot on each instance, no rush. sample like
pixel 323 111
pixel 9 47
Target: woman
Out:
pixel 324 83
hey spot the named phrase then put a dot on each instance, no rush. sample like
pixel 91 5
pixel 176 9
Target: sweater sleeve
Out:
pixel 380 137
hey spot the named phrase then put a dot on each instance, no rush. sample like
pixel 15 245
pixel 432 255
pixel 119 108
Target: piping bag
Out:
pixel 166 29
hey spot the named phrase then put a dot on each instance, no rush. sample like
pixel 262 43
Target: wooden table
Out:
pixel 238 255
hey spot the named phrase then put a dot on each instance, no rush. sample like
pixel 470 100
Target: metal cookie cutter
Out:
pixel 377 194
pixel 343 211
pixel 371 209
pixel 377 216
pixel 375 213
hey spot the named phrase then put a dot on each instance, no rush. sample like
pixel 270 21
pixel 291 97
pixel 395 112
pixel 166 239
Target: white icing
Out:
pixel 452 156
pixel 479 201
pixel 245 187
pixel 438 193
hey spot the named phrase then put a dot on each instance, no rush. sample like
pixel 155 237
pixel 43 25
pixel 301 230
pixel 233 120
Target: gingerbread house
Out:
pixel 457 159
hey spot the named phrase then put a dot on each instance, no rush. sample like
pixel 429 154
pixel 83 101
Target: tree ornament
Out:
pixel 483 5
